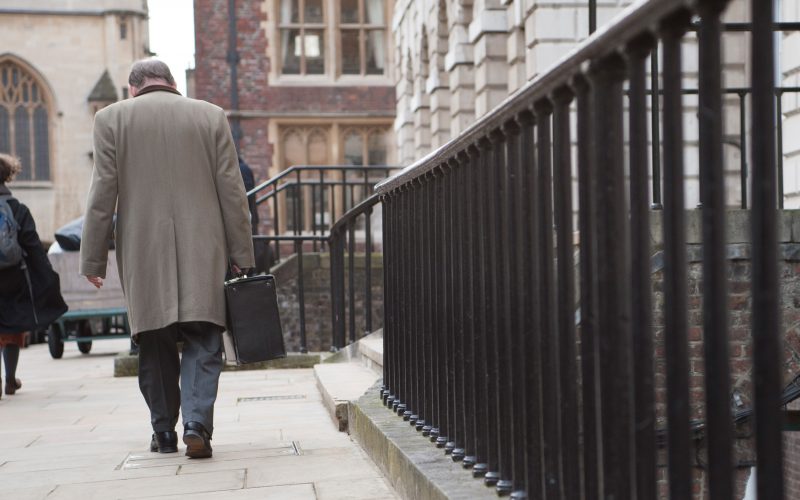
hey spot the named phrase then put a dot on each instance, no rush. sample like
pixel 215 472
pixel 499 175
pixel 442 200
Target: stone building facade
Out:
pixel 455 60
pixel 315 81
pixel 61 61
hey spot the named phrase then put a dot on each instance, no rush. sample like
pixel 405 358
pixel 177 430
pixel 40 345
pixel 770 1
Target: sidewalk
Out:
pixel 75 432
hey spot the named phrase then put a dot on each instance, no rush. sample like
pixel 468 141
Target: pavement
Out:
pixel 75 432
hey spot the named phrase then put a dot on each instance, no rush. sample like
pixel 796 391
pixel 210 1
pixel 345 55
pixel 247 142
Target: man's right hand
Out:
pixel 97 281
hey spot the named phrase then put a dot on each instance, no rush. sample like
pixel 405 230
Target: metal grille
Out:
pixel 270 398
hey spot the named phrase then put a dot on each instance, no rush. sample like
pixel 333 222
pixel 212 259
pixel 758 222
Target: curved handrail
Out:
pixel 316 168
pixel 353 213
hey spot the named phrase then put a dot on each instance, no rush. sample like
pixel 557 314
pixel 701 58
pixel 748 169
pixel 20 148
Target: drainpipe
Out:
pixel 233 61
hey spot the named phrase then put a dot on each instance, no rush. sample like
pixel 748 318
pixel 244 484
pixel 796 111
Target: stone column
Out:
pixel 437 84
pixel 420 100
pixel 488 33
pixel 515 44
pixel 461 71
pixel 404 123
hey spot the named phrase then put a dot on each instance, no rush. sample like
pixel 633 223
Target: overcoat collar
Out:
pixel 156 88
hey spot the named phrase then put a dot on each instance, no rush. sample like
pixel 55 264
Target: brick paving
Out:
pixel 75 432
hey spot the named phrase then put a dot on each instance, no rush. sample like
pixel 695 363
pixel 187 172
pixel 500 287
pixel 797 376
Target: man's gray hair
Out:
pixel 149 69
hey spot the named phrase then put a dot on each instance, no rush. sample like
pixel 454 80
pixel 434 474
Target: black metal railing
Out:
pixel 315 196
pixel 342 243
pixel 481 350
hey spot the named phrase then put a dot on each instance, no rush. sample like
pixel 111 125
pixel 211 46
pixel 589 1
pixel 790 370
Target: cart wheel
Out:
pixel 54 341
pixel 84 330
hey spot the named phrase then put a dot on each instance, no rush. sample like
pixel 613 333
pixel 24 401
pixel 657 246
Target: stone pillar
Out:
pixel 404 123
pixel 488 34
pixel 438 82
pixel 420 100
pixel 515 44
pixel 461 71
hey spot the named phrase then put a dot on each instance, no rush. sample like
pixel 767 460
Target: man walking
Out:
pixel 168 165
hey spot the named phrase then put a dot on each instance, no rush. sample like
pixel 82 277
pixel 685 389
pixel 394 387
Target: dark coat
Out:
pixel 249 184
pixel 16 310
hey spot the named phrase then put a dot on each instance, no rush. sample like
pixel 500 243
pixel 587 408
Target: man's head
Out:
pixel 148 72
pixel 9 168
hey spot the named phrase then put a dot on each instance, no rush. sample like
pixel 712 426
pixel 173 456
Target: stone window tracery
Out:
pixel 24 121
pixel 317 145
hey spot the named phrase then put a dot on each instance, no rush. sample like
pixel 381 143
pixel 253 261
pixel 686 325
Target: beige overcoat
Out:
pixel 169 166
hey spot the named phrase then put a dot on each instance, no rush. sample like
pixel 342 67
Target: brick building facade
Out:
pixel 314 79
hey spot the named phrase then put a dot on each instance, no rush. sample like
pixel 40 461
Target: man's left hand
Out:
pixel 97 281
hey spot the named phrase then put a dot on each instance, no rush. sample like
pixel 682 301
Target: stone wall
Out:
pixel 317 286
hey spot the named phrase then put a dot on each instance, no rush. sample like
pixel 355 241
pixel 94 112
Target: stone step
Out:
pixel 340 384
pixel 371 350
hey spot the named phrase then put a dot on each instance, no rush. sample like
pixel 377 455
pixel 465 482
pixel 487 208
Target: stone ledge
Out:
pixel 340 384
pixel 415 467
pixel 127 365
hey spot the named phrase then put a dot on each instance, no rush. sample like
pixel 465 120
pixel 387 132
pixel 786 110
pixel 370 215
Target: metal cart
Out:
pixel 94 314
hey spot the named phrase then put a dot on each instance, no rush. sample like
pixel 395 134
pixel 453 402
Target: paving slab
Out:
pixel 75 432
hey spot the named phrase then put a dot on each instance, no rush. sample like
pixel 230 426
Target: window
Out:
pixel 332 37
pixel 365 143
pixel 24 121
pixel 363 146
pixel 302 26
pixel 124 92
pixel 123 30
pixel 312 207
pixel 304 146
pixel 362 31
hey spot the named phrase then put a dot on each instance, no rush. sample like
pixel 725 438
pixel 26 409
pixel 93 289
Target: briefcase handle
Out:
pixel 236 273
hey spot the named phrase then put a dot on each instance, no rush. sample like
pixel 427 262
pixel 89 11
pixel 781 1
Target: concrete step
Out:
pixel 340 384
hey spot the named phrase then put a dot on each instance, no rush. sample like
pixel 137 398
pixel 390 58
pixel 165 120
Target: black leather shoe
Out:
pixel 197 440
pixel 164 442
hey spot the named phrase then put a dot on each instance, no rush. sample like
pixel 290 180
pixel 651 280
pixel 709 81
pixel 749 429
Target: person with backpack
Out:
pixel 30 291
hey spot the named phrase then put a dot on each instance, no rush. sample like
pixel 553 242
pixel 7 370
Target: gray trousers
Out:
pixel 198 369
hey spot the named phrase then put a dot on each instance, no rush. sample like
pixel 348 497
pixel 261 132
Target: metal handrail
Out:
pixel 303 168
pixel 343 235
pixel 295 180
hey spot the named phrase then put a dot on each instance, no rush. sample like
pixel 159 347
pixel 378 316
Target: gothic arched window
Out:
pixel 24 121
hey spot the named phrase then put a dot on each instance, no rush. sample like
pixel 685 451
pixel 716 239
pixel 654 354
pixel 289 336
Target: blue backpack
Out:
pixel 10 252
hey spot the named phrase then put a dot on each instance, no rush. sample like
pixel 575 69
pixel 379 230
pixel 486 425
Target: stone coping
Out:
pixel 415 467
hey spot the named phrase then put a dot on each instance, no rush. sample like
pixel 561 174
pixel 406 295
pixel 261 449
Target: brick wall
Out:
pixel 256 95
pixel 740 353
pixel 316 281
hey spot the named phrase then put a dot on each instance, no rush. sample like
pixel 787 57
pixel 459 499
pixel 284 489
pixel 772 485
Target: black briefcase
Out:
pixel 254 326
